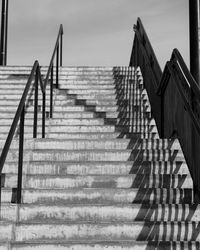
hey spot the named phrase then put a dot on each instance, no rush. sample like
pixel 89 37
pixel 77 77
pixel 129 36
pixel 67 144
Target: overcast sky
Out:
pixel 96 32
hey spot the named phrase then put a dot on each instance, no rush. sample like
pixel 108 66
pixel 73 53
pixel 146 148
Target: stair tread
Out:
pixel 95 182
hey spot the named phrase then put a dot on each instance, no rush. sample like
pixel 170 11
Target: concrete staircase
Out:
pixel 102 178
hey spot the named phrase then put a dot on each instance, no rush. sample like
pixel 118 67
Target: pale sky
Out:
pixel 96 32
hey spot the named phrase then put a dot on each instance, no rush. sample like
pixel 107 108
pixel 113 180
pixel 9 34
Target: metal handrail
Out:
pixel 56 48
pixel 20 113
pixel 195 87
pixel 175 99
pixel 177 66
pixel 148 51
pixel 143 55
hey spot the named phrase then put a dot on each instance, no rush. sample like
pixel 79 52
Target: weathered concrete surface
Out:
pixel 102 178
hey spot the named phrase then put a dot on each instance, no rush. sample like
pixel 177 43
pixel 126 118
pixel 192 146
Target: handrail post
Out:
pixel 43 113
pixel 4 31
pixel 194 38
pixel 6 34
pixel 51 93
pixel 0 192
pixel 61 48
pixel 57 65
pixel 194 69
pixel 36 103
pixel 20 160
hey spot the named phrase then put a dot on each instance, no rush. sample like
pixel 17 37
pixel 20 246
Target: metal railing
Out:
pixel 34 79
pixel 144 56
pixel 175 100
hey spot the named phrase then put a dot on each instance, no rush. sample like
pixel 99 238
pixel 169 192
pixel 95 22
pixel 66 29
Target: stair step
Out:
pixel 67 122
pixel 92 92
pixel 107 155
pixel 99 121
pixel 99 128
pixel 82 108
pixel 103 135
pixel 118 245
pixel 102 181
pixel 81 144
pixel 69 108
pixel 108 213
pixel 65 102
pixel 84 129
pixel 6 231
pixel 73 115
pixel 12 92
pixel 93 96
pixel 102 178
pixel 97 87
pixel 65 81
pixel 99 168
pixel 105 196
pixel 140 231
pixel 91 113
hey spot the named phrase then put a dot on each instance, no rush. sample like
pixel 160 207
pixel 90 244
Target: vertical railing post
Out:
pixel 4 29
pixel 57 65
pixel 61 48
pixel 6 32
pixel 0 193
pixel 20 159
pixel 43 113
pixel 194 69
pixel 194 38
pixel 36 103
pixel 51 93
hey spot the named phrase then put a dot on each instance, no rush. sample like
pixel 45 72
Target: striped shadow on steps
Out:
pixel 102 179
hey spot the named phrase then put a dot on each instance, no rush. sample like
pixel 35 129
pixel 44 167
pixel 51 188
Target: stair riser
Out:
pixel 108 114
pixel 8 213
pixel 107 214
pixel 103 156
pixel 137 231
pixel 104 196
pixel 124 245
pixel 27 129
pixel 6 232
pixel 61 124
pixel 92 92
pixel 74 145
pixel 134 181
pixel 100 168
pixel 13 156
pixel 28 122
pixel 97 87
pixel 105 101
pixel 88 102
pixel 90 136
pixel 93 96
pixel 73 115
pixel 99 129
pixel 95 168
pixel 82 108
pixel 87 77
pixel 136 122
pixel 96 136
pixel 94 184
pixel 106 81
